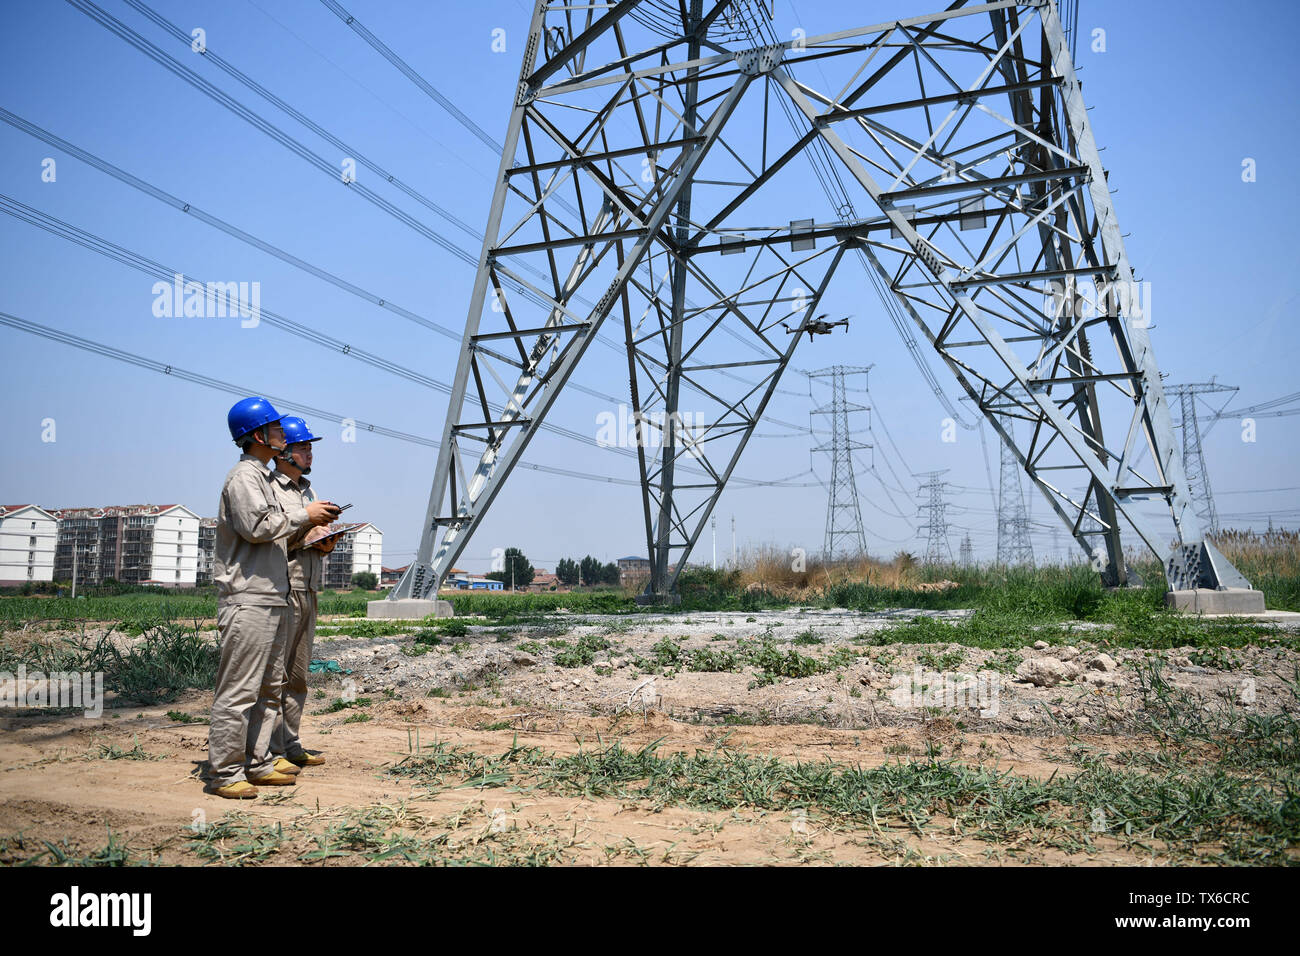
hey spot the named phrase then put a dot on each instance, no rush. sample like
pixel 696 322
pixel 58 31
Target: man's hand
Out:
pixel 322 512
pixel 326 545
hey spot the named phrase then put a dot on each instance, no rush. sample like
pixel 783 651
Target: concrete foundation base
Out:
pixel 653 600
pixel 409 609
pixel 1207 601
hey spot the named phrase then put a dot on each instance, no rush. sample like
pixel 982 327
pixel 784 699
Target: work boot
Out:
pixel 284 765
pixel 239 790
pixel 275 779
pixel 304 759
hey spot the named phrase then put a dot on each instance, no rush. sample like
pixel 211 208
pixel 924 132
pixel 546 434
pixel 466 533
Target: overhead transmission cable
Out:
pixel 270 129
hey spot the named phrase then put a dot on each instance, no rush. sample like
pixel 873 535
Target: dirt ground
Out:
pixel 67 781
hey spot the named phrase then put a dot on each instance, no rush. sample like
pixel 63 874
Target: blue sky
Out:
pixel 1180 97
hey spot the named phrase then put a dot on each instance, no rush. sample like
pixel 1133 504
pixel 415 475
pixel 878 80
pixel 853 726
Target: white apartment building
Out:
pixel 134 544
pixel 28 536
pixel 361 548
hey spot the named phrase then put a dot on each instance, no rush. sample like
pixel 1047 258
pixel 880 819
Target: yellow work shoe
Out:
pixel 239 790
pixel 275 779
pixel 283 765
pixel 305 759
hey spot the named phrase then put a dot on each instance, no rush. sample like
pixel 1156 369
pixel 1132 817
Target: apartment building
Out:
pixel 28 537
pixel 133 544
pixel 359 548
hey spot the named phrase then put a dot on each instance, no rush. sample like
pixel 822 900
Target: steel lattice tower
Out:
pixel 933 516
pixel 845 535
pixel 1198 475
pixel 966 553
pixel 654 181
pixel 1014 544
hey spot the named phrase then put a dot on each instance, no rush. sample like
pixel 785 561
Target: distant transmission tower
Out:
pixel 1014 545
pixel 1198 476
pixel 845 536
pixel 966 552
pixel 934 520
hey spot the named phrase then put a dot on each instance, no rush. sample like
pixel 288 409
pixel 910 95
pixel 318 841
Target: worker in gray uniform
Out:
pixel 251 570
pixel 306 557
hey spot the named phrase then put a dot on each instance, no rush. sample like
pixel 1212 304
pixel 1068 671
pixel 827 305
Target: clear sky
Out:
pixel 1180 97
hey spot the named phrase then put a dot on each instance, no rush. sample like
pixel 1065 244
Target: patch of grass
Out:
pixel 360 717
pixel 338 704
pixel 183 718
pixel 366 628
pixel 771 664
pixel 236 840
pixel 114 752
pixel 807 637
pixel 947 661
pixel 23 851
pixel 167 659
pixel 530 647
pixel 583 653
pixel 452 627
pixel 1004 662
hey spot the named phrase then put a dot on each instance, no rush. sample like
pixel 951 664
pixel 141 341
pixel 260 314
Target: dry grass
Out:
pixel 1277 552
pixel 777 571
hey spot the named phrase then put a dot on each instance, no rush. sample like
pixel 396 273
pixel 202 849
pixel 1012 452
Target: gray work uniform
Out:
pixel 251 570
pixel 305 574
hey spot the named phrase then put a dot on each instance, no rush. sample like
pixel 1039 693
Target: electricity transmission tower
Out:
pixel 1198 476
pixel 934 520
pixel 845 536
pixel 655 175
pixel 966 553
pixel 1014 544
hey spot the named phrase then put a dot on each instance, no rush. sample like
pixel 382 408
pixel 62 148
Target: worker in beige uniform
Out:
pixel 251 570
pixel 306 556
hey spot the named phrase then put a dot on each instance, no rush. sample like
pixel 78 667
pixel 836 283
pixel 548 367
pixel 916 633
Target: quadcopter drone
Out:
pixel 817 326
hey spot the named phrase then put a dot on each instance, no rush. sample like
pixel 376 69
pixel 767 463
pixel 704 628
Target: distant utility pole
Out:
pixel 713 522
pixel 733 541
pixel 1198 476
pixel 933 512
pixel 1014 544
pixel 74 565
pixel 845 536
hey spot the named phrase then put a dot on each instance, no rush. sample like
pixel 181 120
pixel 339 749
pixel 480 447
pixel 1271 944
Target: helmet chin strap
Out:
pixel 287 457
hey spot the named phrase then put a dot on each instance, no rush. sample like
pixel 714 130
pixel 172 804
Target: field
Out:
pixel 869 717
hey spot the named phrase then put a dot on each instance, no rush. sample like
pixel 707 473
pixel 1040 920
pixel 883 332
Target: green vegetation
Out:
pixel 583 653
pixel 338 704
pixel 165 660
pixel 1232 801
pixel 366 580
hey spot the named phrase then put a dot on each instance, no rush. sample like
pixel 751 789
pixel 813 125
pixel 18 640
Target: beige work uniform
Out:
pixel 305 574
pixel 251 570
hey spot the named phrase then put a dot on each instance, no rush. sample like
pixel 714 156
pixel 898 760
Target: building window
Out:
pixel 31 557
pixel 178 549
pixel 178 575
pixel 31 541
pixel 29 571
pixel 33 524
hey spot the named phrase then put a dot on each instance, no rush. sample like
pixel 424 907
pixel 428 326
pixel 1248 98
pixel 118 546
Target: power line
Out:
pixel 270 129
pixel 232 230
pixel 348 151
pixel 406 70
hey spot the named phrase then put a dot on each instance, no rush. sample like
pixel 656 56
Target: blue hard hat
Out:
pixel 296 430
pixel 248 414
